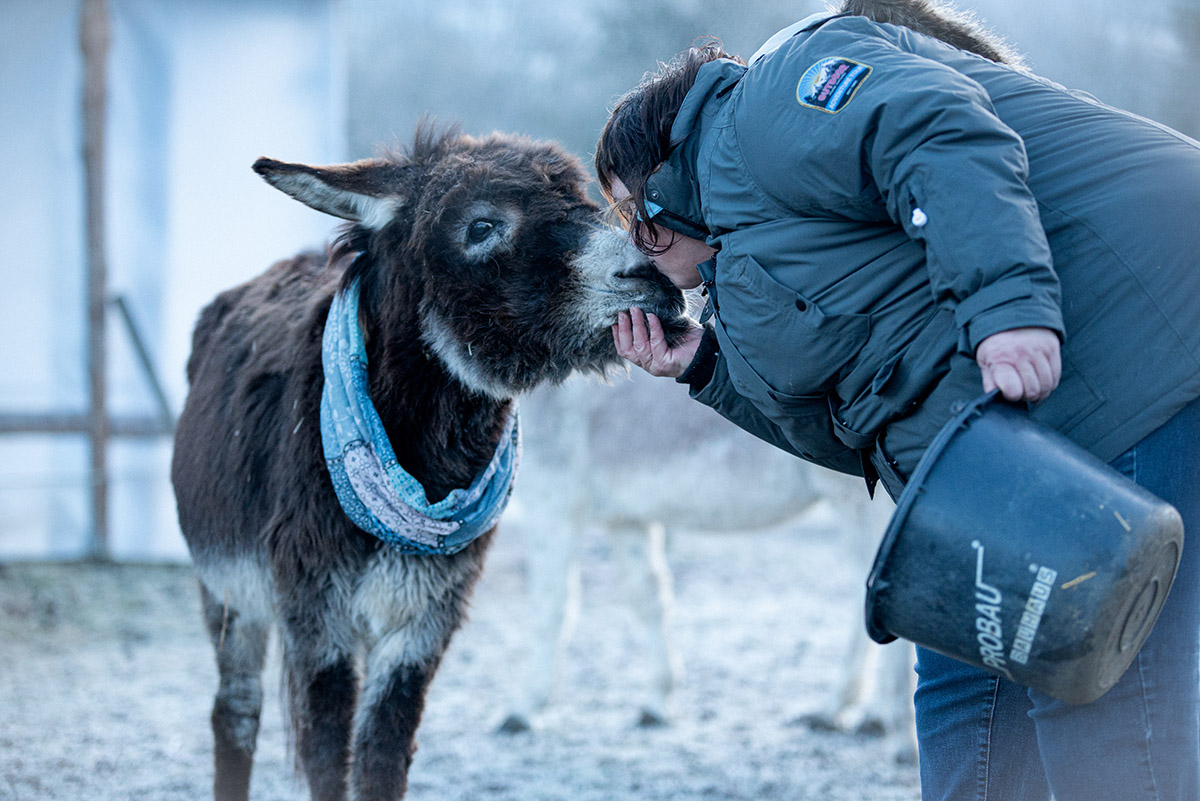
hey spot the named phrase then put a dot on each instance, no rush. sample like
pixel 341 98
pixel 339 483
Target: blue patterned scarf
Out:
pixel 373 489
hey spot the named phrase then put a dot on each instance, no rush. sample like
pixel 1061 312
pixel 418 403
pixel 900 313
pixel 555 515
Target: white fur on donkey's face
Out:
pixel 602 266
pixel 607 265
pixel 459 358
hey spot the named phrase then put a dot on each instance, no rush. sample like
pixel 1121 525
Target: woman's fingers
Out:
pixel 1031 385
pixel 623 335
pixel 1006 379
pixel 642 339
pixel 1024 363
pixel 631 337
pixel 1046 377
pixel 658 339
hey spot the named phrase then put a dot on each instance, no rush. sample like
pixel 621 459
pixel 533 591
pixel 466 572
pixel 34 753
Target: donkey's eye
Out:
pixel 480 230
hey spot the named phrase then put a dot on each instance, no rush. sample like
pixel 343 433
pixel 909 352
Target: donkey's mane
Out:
pixel 954 27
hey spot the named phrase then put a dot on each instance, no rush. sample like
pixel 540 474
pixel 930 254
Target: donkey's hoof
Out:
pixel 870 727
pixel 652 719
pixel 817 721
pixel 514 724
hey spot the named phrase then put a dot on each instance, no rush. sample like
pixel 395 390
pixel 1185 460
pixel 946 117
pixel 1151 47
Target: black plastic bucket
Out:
pixel 1015 550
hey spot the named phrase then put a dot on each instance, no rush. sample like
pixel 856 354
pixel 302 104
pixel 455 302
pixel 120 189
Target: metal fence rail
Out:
pixel 96 422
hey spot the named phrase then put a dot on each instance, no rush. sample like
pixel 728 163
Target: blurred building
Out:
pixel 200 88
pixel 197 91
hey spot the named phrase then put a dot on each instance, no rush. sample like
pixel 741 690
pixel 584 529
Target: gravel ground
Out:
pixel 106 681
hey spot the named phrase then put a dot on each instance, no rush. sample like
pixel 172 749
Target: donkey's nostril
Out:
pixel 643 271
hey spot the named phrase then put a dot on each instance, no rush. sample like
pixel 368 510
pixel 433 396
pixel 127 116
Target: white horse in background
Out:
pixel 639 457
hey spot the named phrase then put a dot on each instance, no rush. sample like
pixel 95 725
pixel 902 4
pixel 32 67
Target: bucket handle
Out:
pixel 964 414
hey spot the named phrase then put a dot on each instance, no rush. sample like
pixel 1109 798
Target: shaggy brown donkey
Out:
pixel 482 269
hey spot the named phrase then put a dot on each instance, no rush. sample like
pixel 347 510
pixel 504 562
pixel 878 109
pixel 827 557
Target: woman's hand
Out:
pixel 1025 363
pixel 640 339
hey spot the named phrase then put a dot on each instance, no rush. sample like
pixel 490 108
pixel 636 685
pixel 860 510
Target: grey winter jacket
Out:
pixel 882 202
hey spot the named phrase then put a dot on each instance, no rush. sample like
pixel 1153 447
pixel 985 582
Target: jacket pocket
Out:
pixel 1072 400
pixel 871 400
pixel 796 348
pixel 804 420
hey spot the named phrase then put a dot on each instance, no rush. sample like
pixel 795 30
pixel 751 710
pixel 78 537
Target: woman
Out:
pixel 884 225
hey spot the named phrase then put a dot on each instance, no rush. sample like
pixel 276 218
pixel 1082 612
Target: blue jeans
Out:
pixel 984 738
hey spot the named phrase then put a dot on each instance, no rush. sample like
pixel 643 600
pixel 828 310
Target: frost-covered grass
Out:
pixel 106 680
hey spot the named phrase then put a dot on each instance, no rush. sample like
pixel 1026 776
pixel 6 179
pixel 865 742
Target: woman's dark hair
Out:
pixel 636 139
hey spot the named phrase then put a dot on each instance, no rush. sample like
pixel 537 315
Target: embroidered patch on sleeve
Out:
pixel 830 84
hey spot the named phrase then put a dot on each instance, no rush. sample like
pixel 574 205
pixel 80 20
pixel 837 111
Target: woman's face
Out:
pixel 678 262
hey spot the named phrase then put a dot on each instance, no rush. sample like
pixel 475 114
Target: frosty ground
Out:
pixel 106 681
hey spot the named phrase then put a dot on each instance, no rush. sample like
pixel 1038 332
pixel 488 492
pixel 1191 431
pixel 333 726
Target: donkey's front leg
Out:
pixel 322 687
pixel 323 739
pixel 240 642
pixel 390 707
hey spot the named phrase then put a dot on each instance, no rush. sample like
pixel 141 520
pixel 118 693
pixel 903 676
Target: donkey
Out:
pixel 482 269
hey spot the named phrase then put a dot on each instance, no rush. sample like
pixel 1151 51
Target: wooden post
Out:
pixel 94 40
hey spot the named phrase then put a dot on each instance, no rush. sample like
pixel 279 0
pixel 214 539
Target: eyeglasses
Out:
pixel 622 210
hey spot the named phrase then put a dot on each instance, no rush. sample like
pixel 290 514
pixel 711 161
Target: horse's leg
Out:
pixel 642 553
pixel 240 643
pixel 853 704
pixel 559 470
pixel 553 575
pixel 855 675
pixel 898 682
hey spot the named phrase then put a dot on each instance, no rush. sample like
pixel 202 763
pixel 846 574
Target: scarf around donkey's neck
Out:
pixel 375 492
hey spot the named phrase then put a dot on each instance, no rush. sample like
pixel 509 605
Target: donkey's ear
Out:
pixel 367 192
